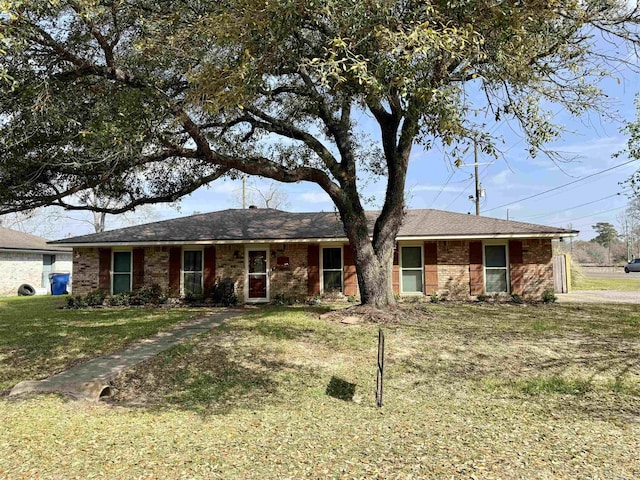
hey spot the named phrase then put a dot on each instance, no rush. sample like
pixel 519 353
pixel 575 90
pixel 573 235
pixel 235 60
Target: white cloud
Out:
pixel 501 178
pixel 315 197
pixel 434 188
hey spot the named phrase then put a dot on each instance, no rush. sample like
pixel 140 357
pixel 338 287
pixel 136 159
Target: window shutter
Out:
pixel 350 275
pixel 104 269
pixel 430 267
pixel 138 268
pixel 209 273
pixel 175 266
pixel 516 266
pixel 476 271
pixel 395 272
pixel 313 270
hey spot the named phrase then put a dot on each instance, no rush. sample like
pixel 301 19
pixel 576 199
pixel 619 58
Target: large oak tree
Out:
pixel 145 101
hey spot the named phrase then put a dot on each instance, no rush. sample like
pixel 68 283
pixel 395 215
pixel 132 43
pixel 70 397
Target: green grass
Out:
pixel 471 391
pixel 631 284
pixel 38 338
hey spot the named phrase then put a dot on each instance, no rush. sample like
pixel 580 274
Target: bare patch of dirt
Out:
pixel 399 315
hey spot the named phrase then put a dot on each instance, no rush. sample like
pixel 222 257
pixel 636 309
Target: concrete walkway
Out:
pixel 91 380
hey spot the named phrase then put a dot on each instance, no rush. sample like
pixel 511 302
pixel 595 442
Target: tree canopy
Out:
pixel 607 234
pixel 146 101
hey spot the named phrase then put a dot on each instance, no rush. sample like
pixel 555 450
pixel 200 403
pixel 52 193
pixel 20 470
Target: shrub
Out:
pixel 96 298
pixel 482 297
pixel 191 298
pixel 76 301
pixel 281 299
pixel 149 295
pixel 434 298
pixel 120 300
pixel 222 293
pixel 548 296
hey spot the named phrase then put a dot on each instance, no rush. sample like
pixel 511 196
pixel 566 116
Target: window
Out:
pixel 495 267
pixel 192 271
pixel 332 269
pixel 412 270
pixel 121 277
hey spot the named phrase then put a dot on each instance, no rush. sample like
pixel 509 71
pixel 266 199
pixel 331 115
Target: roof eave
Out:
pixel 489 236
pixel 169 243
pixel 35 250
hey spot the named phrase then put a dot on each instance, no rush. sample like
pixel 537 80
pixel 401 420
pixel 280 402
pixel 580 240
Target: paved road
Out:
pixel 634 276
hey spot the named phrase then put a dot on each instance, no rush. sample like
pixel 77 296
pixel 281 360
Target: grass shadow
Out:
pixel 341 389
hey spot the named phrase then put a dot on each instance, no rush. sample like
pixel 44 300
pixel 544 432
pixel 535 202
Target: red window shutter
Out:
pixel 209 274
pixel 395 272
pixel 138 268
pixel 516 267
pixel 104 269
pixel 175 266
pixel 515 252
pixel 313 267
pixel 430 267
pixel 476 270
pixel 350 275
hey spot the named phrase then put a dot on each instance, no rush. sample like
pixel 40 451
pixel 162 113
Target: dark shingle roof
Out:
pixel 14 240
pixel 269 224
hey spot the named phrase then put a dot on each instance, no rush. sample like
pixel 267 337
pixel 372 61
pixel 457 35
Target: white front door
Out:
pixel 257 275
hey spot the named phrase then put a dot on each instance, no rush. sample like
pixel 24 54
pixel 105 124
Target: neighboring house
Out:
pixel 27 259
pixel 267 252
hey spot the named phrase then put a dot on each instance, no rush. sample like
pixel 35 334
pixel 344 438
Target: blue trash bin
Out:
pixel 59 282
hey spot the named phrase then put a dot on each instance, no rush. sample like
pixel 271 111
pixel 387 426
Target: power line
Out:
pixel 562 186
pixel 443 187
pixel 569 208
pixel 591 215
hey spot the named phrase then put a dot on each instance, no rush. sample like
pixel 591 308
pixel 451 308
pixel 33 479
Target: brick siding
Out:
pixel 17 268
pixel 537 259
pixel 85 270
pixel 453 269
pixel 291 280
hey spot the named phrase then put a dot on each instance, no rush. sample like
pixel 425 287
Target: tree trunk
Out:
pixel 374 257
pixel 375 280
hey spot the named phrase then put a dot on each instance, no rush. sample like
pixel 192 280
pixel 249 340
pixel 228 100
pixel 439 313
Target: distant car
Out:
pixel 632 266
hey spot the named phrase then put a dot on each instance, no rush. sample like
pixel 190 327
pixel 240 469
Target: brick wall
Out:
pixel 291 280
pixel 537 259
pixel 17 268
pixel 156 266
pixel 85 270
pixel 230 264
pixel 453 269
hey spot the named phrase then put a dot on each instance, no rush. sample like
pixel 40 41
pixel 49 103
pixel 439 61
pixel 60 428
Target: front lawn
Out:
pixel 630 284
pixel 39 339
pixel 471 391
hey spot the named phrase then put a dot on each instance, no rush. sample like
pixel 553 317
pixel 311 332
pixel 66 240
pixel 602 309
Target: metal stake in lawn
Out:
pixel 380 369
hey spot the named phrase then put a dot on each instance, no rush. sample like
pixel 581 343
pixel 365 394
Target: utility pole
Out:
pixel 244 191
pixel 475 164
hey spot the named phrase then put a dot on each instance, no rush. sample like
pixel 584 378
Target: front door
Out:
pixel 48 265
pixel 257 272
